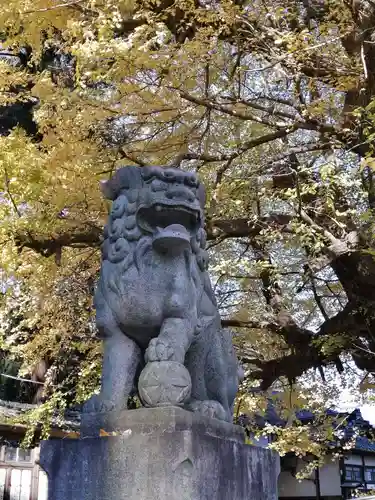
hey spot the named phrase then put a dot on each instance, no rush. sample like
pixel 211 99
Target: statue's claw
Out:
pixel 96 404
pixel 211 409
pixel 159 350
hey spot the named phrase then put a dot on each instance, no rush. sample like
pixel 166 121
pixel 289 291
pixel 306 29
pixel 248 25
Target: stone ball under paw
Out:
pixel 164 383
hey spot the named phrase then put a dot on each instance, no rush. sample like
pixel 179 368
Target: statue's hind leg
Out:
pixel 208 408
pixel 208 395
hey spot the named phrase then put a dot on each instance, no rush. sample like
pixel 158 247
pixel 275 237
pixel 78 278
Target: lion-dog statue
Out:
pixel 154 300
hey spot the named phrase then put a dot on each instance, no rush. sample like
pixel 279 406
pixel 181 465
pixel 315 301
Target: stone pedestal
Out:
pixel 158 454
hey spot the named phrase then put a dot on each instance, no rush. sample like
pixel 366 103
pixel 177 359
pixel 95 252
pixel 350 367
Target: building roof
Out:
pixel 9 409
pixel 365 444
pixel 352 424
pixel 11 418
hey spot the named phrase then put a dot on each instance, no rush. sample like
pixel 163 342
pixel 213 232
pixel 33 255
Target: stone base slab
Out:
pixel 157 460
pixel 157 420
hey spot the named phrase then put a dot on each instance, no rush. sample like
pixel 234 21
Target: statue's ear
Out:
pixel 106 190
pixel 124 178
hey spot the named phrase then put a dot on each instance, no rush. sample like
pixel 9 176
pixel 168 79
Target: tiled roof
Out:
pixel 10 410
pixel 351 423
pixel 364 444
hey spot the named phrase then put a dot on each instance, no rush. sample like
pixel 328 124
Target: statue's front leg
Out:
pixel 121 358
pixel 175 337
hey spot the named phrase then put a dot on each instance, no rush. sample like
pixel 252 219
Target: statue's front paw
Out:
pixel 97 404
pixel 159 350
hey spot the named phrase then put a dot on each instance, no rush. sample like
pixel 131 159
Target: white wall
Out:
pixel 330 483
pixel 42 486
pixel 353 460
pixel 290 487
pixel 330 478
pixel 357 460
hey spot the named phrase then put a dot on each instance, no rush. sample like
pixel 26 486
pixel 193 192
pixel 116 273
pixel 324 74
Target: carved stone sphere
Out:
pixel 164 383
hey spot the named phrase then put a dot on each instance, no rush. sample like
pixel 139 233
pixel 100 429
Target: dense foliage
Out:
pixel 270 101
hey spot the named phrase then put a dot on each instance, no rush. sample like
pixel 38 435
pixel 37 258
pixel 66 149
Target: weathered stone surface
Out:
pixel 158 420
pixel 164 383
pixel 159 461
pixel 154 301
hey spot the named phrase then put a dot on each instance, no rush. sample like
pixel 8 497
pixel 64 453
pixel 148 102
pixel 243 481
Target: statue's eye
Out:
pixel 191 181
pixel 168 174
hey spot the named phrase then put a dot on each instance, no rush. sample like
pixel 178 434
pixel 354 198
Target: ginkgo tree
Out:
pixel 270 102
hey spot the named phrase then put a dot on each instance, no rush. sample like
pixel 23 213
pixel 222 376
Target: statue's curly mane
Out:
pixel 124 239
pixel 121 233
pixel 125 243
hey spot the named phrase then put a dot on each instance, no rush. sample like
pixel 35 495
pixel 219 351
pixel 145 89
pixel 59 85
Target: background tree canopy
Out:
pixel 272 102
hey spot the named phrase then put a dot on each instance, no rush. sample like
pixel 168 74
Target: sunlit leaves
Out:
pixel 248 94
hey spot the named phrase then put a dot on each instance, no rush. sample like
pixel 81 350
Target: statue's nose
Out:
pixel 180 193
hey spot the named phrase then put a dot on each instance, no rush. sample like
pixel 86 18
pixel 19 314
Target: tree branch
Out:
pixel 54 7
pixel 223 109
pixel 78 238
pixel 336 243
pixel 257 325
pixel 7 188
pixel 48 246
pixel 270 110
pixel 305 148
pixel 240 228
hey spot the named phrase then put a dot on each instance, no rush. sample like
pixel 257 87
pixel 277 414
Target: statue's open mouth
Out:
pixel 162 215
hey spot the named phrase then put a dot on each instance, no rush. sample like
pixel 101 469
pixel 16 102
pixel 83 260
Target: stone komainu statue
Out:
pixel 154 301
